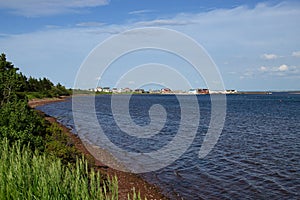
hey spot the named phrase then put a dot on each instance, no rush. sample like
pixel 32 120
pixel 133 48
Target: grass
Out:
pixel 49 169
pixel 31 175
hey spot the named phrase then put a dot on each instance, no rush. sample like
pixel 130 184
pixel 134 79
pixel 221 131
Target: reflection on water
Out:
pixel 257 156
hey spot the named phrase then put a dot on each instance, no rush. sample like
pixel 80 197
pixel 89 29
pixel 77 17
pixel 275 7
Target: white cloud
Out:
pixel 296 54
pixel 32 8
pixel 138 12
pixel 283 68
pixel 52 26
pixel 164 22
pixel 90 24
pixel 269 56
pixel 263 69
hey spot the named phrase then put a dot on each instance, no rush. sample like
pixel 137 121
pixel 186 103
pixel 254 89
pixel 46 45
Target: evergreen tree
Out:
pixel 9 80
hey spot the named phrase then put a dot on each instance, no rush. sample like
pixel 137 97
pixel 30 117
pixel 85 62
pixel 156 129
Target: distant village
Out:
pixel 161 91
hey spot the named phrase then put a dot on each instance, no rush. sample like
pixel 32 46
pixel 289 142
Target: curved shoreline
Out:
pixel 126 181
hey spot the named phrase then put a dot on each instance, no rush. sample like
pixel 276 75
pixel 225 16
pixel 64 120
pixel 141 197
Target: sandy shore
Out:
pixel 127 181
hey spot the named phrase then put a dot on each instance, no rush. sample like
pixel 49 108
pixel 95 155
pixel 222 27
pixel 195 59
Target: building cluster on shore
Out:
pixel 160 91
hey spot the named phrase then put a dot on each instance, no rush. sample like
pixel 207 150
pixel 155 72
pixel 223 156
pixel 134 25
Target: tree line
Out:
pixel 14 84
pixel 17 121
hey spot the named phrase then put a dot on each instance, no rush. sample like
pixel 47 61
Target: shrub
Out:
pixel 18 122
pixel 58 144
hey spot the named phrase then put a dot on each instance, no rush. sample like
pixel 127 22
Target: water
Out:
pixel 256 157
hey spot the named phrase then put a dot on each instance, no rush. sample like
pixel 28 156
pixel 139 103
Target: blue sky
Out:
pixel 255 44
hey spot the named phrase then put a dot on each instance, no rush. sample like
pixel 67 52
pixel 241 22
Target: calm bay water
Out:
pixel 256 157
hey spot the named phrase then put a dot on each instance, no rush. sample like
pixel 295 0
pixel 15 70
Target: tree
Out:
pixel 46 84
pixel 24 83
pixel 13 84
pixel 4 65
pixel 9 80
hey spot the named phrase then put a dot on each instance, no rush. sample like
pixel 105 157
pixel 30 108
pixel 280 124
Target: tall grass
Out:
pixel 29 175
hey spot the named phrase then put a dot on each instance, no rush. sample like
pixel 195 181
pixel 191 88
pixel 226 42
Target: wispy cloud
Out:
pixel 269 56
pixel 4 35
pixel 282 70
pixel 33 8
pixel 164 22
pixel 139 12
pixel 296 54
pixel 90 24
pixel 52 26
pixel 247 74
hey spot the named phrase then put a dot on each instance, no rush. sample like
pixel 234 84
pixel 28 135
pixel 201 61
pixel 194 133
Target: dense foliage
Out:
pixel 9 81
pixel 40 88
pixel 17 121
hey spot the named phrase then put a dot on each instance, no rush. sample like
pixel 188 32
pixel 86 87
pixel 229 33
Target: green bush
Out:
pixel 58 144
pixel 24 137
pixel 18 122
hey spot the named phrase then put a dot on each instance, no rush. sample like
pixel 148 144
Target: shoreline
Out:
pixel 40 102
pixel 127 182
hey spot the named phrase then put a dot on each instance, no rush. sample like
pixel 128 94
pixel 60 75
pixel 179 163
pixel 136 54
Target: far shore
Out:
pixel 126 181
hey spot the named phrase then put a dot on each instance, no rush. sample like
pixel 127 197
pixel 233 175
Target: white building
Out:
pixel 98 89
pixel 193 91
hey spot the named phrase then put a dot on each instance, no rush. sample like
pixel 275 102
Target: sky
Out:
pixel 254 44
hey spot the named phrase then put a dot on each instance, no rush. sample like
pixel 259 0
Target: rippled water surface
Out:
pixel 256 157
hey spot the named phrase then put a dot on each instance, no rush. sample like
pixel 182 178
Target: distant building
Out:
pixel 217 92
pixel 203 91
pixel 126 90
pixel 115 90
pixel 231 92
pixel 193 91
pixel 198 91
pixel 98 89
pixel 106 89
pixel 139 90
pixel 154 91
pixel 166 91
